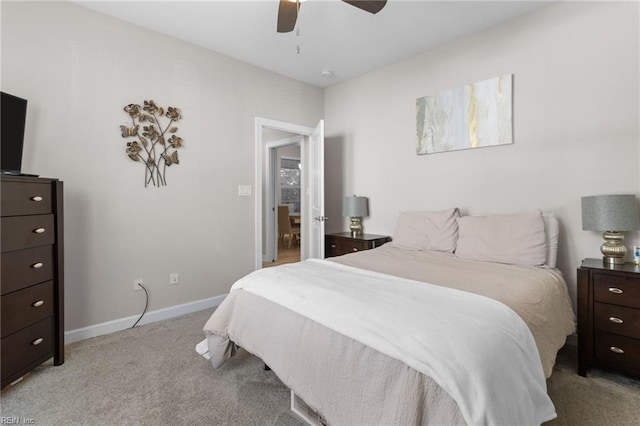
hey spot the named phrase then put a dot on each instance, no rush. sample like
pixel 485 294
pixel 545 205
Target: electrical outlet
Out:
pixel 173 278
pixel 136 283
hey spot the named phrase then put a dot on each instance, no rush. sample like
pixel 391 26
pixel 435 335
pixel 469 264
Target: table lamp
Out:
pixel 611 214
pixel 356 208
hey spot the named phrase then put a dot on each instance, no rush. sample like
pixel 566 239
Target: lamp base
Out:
pixel 356 226
pixel 613 251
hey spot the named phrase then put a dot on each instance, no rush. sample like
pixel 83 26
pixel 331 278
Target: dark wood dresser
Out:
pixel 32 280
pixel 343 243
pixel 609 317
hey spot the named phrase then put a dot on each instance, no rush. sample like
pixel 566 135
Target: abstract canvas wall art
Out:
pixel 476 115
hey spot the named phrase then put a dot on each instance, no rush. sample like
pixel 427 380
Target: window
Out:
pixel 290 183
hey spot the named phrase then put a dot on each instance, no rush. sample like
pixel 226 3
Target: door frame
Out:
pixel 260 125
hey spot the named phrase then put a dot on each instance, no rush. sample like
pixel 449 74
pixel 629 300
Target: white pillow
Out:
pixel 435 231
pixel 517 239
pixel 551 232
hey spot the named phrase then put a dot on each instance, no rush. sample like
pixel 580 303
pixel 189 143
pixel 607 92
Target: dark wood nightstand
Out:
pixel 343 243
pixel 609 317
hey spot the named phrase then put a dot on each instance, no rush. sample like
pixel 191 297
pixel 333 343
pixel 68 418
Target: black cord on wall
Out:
pixel 146 304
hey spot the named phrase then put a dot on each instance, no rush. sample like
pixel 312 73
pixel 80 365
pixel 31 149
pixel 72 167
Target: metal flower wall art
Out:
pixel 156 145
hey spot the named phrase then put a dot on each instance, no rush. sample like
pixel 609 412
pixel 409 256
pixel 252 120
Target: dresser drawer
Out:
pixel 617 290
pixel 24 268
pixel 617 320
pixel 618 349
pixel 20 198
pixel 19 232
pixel 26 307
pixel 25 347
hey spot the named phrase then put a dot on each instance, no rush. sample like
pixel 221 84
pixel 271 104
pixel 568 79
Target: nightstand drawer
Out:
pixel 617 290
pixel 342 243
pixel 340 247
pixel 24 268
pixel 19 198
pixel 25 347
pixel 618 349
pixel 19 232
pixel 617 320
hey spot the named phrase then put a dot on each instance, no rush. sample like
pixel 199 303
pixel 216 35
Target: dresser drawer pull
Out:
pixel 37 341
pixel 616 350
pixel 616 320
pixel 37 303
pixel 333 246
pixel 37 265
pixel 615 290
pixel 355 249
pixel 36 198
pixel 41 231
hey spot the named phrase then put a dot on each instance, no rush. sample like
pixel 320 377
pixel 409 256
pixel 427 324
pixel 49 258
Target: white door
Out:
pixel 316 191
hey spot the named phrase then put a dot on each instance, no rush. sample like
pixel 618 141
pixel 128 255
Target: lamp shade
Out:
pixel 355 207
pixel 610 213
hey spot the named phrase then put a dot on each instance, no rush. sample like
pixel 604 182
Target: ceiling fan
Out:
pixel 289 9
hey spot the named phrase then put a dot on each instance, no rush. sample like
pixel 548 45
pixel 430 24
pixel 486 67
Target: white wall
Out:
pixel 78 69
pixel 576 130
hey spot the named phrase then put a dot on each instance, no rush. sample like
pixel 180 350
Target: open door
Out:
pixel 316 192
pixel 312 164
pixel 273 151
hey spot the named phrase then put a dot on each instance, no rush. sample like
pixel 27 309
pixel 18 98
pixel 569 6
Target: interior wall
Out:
pixel 576 126
pixel 78 69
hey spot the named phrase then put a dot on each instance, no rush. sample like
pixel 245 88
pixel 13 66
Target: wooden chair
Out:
pixel 285 227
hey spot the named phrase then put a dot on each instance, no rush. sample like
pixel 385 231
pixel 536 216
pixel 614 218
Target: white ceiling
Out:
pixel 333 35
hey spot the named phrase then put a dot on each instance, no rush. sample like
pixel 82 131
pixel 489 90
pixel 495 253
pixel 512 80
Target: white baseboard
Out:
pixel 152 316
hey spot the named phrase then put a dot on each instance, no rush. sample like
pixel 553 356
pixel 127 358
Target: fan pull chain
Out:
pixel 297 27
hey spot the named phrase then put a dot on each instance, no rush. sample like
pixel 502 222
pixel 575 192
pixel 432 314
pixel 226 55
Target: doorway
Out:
pixel 283 197
pixel 311 141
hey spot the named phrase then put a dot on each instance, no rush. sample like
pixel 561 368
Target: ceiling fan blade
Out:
pixel 371 6
pixel 287 16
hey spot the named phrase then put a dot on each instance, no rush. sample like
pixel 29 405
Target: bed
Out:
pixel 457 321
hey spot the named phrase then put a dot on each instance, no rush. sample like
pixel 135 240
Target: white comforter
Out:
pixel 477 349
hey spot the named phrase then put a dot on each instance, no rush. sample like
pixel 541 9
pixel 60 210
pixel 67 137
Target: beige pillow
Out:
pixel 517 239
pixel 436 231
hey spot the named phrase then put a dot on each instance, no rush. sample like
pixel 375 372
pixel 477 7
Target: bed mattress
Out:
pixel 351 383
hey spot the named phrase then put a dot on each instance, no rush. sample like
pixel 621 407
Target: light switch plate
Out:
pixel 244 190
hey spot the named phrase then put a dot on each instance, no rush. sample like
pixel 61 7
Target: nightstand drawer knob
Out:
pixel 36 198
pixel 37 303
pixel 616 350
pixel 615 290
pixel 37 265
pixel 37 341
pixel 616 320
pixel 333 246
pixel 39 230
pixel 355 249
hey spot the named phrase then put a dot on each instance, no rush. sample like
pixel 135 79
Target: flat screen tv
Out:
pixel 13 112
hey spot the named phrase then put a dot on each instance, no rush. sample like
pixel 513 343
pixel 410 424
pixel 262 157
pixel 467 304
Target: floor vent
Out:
pixel 308 414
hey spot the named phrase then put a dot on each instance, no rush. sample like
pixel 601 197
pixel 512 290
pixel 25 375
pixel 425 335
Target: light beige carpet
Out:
pixel 151 375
